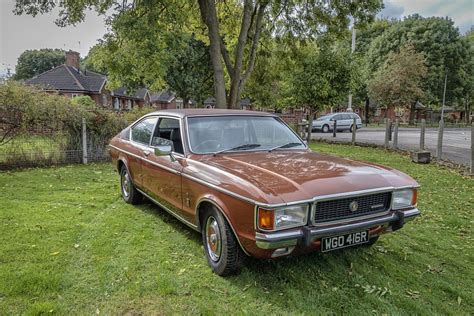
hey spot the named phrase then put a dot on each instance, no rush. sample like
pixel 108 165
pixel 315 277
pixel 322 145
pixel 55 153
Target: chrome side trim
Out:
pixel 148 161
pixel 177 216
pixel 225 215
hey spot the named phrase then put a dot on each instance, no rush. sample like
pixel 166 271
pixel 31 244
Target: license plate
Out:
pixel 343 241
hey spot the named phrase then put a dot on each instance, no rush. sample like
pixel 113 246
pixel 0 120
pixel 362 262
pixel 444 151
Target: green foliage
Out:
pixel 324 77
pixel 188 73
pixel 36 61
pixel 398 82
pixel 439 40
pixel 25 110
pixel 84 101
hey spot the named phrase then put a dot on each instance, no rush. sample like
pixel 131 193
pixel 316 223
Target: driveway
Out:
pixel 456 141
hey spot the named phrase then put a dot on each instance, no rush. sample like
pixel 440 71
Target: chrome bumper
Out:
pixel 307 234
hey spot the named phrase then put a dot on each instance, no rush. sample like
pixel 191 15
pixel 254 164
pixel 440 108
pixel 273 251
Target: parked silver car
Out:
pixel 345 121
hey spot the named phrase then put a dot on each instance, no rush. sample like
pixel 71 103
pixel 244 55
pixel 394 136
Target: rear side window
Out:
pixel 142 131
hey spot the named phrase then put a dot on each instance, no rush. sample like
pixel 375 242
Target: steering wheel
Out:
pixel 208 142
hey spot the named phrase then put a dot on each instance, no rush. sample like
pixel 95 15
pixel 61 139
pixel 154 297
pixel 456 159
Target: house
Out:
pixel 71 81
pixel 164 100
pixel 123 100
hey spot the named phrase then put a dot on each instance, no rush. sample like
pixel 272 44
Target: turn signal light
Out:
pixel 266 219
pixel 414 197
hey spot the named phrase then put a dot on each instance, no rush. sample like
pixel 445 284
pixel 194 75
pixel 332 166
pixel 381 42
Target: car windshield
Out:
pixel 217 134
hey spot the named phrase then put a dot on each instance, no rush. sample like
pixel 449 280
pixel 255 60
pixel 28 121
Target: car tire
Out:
pixel 325 128
pixel 221 247
pixel 130 194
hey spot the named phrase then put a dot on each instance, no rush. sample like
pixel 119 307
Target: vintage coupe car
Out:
pixel 251 186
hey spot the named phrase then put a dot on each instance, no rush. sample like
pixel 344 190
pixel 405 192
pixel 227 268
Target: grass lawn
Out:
pixel 69 245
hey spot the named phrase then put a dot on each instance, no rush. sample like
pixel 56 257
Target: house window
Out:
pixel 128 105
pixel 73 95
pixel 116 104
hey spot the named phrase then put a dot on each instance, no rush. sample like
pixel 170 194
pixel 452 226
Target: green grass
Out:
pixel 69 245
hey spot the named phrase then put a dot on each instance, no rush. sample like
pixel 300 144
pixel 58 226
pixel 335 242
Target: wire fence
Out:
pixel 39 147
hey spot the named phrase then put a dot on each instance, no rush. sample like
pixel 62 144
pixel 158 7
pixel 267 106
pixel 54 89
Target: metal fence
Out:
pixel 45 147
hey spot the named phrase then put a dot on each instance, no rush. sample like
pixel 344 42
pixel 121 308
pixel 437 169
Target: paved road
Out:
pixel 456 142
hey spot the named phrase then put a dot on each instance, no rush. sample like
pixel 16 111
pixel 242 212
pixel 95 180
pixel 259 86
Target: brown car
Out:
pixel 252 187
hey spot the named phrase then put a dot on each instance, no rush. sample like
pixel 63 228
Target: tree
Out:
pixel 439 40
pixel 33 62
pixel 323 78
pixel 234 39
pixel 468 74
pixel 189 71
pixel 399 81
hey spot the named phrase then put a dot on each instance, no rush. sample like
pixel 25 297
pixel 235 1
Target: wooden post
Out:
pixel 472 148
pixel 439 149
pixel 422 135
pixel 354 130
pixel 84 141
pixel 395 136
pixel 334 128
pixel 387 132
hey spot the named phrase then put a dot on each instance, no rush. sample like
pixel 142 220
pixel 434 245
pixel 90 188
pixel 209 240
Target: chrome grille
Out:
pixel 332 210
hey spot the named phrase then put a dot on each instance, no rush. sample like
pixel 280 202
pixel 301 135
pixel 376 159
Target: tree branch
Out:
pixel 226 57
pixel 253 50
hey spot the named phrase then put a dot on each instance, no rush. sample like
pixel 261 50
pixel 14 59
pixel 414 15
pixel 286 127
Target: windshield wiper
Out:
pixel 240 147
pixel 288 145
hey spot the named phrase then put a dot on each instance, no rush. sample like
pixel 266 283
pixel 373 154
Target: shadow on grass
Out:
pixel 299 276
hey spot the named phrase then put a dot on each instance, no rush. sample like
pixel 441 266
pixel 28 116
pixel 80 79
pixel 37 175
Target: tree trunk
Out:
pixel 209 16
pixel 367 104
pixel 185 102
pixel 411 120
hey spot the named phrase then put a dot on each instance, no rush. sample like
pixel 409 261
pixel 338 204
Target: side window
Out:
pixel 141 132
pixel 337 117
pixel 168 128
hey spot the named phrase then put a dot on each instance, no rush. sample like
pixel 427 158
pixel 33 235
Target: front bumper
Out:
pixel 306 235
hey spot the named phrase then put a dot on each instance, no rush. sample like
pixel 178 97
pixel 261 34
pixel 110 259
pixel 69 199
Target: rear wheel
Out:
pixel 221 247
pixel 129 193
pixel 325 128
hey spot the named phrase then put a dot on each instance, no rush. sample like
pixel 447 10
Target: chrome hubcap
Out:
pixel 125 184
pixel 213 238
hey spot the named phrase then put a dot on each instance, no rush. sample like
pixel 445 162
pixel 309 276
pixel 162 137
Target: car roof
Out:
pixel 208 112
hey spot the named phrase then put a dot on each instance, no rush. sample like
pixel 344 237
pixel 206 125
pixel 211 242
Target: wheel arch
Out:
pixel 211 201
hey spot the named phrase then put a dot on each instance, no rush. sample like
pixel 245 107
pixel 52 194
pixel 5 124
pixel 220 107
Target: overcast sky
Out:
pixel 19 33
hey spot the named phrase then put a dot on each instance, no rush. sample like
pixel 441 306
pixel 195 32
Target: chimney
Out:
pixel 72 59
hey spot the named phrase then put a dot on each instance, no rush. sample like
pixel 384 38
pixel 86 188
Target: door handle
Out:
pixel 146 153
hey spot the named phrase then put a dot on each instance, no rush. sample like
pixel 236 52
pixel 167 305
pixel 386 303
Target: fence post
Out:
pixel 84 141
pixel 439 149
pixel 354 130
pixel 422 135
pixel 334 128
pixel 387 132
pixel 472 148
pixel 395 135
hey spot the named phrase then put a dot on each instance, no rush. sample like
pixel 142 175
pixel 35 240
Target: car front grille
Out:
pixel 332 210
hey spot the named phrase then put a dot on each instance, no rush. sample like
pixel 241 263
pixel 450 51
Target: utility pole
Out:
pixel 353 47
pixel 439 149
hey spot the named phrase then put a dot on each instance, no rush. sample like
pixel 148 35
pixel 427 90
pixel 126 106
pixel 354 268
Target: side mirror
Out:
pixel 162 146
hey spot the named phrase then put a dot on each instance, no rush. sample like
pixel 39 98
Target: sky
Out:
pixel 19 33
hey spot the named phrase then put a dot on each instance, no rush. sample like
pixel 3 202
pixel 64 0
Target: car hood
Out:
pixel 288 176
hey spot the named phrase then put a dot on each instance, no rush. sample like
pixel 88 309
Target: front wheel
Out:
pixel 221 247
pixel 326 129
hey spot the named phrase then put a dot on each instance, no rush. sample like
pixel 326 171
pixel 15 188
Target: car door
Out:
pixel 162 174
pixel 140 137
